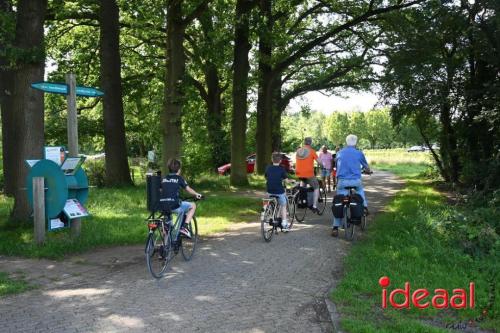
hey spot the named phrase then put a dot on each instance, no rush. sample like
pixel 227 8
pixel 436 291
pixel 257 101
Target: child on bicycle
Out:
pixel 275 174
pixel 170 200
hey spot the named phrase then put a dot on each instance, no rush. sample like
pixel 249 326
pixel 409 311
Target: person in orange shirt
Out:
pixel 304 168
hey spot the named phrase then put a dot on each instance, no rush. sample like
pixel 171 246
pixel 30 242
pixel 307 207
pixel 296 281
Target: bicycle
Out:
pixel 300 207
pixel 271 217
pixel 348 222
pixel 164 240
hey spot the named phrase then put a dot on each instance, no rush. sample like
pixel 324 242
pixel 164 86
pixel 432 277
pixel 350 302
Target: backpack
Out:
pixel 356 208
pixel 338 206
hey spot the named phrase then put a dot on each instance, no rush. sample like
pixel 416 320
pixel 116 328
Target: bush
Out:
pixel 96 172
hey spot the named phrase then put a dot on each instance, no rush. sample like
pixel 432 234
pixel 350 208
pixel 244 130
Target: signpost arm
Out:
pixel 73 136
pixel 39 209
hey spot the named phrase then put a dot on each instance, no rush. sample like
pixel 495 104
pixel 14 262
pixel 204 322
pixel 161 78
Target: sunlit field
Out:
pixel 396 156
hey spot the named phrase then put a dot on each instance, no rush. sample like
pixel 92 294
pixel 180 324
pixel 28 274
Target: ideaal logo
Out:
pixel 440 299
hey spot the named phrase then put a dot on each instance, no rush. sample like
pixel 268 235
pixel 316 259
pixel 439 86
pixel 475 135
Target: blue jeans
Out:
pixel 281 198
pixel 325 172
pixel 183 208
pixel 341 190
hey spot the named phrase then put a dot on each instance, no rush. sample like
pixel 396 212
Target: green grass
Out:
pixel 118 219
pixel 396 156
pixel 402 245
pixel 10 286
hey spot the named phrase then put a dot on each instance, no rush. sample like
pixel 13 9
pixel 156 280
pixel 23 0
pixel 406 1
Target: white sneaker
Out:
pixel 285 226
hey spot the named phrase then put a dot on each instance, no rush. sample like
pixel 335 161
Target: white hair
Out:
pixel 351 140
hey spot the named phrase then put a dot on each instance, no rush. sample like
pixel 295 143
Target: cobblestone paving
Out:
pixel 235 283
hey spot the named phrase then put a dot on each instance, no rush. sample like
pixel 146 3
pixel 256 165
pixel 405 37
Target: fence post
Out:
pixel 39 209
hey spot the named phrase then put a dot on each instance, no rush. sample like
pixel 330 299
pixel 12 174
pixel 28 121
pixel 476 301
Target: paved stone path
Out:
pixel 235 283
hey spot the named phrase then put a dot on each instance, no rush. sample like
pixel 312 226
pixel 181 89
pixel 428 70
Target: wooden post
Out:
pixel 39 209
pixel 73 136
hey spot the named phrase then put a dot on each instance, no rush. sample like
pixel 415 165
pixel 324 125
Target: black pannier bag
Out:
pixel 310 196
pixel 302 197
pixel 337 206
pixel 356 207
pixel 153 185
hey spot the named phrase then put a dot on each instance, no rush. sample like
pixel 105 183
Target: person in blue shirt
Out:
pixel 349 164
pixel 275 174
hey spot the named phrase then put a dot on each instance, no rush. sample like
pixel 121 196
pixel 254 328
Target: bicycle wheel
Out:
pixel 188 245
pixel 266 228
pixel 300 213
pixel 290 209
pixel 363 222
pixel 322 200
pixel 158 252
pixel 348 228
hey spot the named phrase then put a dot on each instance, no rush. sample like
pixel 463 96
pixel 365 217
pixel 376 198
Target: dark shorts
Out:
pixel 313 181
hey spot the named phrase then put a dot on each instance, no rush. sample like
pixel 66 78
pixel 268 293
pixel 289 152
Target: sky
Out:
pixel 361 101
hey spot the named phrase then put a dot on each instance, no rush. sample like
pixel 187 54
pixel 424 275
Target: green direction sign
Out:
pixel 62 88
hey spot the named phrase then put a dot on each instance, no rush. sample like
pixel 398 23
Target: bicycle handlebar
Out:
pixel 202 197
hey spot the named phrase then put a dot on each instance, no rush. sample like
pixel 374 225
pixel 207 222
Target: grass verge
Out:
pixel 117 219
pixel 10 286
pixel 402 245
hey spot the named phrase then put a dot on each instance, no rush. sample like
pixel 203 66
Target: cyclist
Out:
pixel 170 200
pixel 304 169
pixel 275 174
pixel 326 159
pixel 349 163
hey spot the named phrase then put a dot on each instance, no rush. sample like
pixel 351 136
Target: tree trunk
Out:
pixel 213 98
pixel 5 93
pixel 215 115
pixel 174 90
pixel 26 104
pixel 117 168
pixel 278 108
pixel 449 143
pixel 265 92
pixel 439 164
pixel 240 84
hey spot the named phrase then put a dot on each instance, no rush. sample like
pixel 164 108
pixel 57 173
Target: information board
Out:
pixel 31 162
pixel 71 165
pixel 56 224
pixel 74 209
pixel 55 154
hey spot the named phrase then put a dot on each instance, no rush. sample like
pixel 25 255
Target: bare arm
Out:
pixel 192 192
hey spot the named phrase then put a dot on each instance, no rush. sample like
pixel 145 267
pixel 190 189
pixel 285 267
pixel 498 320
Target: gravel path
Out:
pixel 235 283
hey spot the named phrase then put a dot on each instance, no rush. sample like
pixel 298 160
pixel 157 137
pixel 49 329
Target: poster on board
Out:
pixel 55 154
pixel 74 209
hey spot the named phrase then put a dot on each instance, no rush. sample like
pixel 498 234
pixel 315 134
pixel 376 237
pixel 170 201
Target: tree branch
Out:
pixel 196 13
pixel 313 43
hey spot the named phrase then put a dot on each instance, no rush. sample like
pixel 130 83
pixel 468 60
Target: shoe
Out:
pixel 315 210
pixel 366 211
pixel 335 231
pixel 285 229
pixel 185 232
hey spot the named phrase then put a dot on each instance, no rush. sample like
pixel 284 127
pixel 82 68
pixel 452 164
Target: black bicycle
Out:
pixel 165 240
pixel 302 203
pixel 350 208
pixel 351 204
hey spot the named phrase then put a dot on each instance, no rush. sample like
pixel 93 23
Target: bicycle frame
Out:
pixel 266 203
